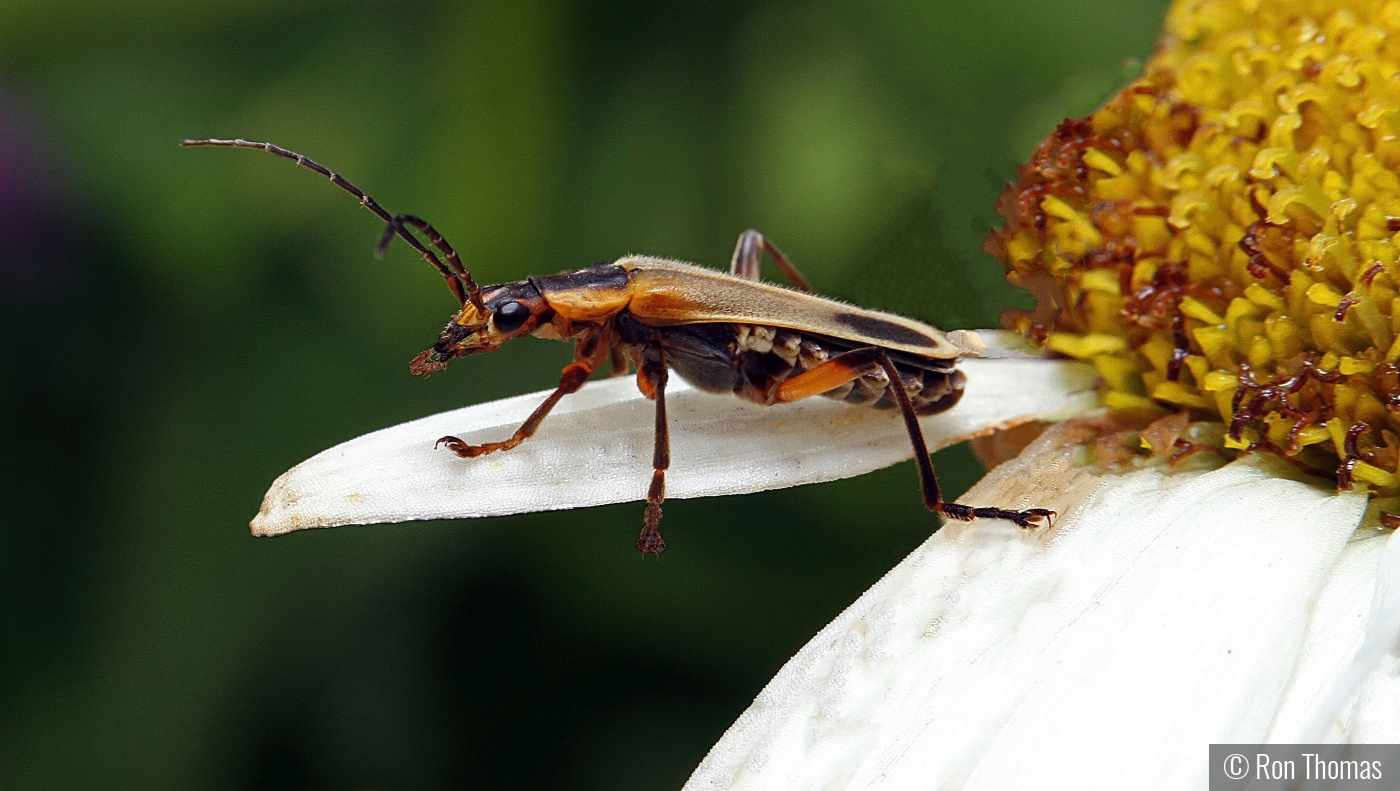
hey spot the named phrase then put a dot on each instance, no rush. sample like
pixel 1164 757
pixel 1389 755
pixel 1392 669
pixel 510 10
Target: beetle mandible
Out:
pixel 723 333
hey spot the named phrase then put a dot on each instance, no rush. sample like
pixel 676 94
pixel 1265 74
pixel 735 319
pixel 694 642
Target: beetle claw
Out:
pixel 1031 516
pixel 459 447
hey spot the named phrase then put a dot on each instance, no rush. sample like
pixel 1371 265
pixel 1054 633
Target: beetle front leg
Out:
pixel 589 353
pixel 654 370
pixel 749 252
pixel 572 378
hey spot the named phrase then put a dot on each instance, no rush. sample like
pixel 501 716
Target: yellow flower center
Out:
pixel 1224 235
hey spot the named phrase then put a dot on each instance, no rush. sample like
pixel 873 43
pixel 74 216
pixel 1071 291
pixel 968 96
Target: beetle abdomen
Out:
pixel 751 361
pixel 932 385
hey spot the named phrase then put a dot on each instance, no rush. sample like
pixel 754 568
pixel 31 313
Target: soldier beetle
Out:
pixel 726 333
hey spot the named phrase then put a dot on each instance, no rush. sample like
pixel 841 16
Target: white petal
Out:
pixel 1161 614
pixel 1374 716
pixel 1346 686
pixel 596 447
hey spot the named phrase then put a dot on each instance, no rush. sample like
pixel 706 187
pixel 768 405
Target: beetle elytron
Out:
pixel 722 333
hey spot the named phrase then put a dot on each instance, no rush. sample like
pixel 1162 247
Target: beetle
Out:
pixel 723 333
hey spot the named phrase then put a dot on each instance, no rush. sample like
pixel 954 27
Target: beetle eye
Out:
pixel 510 316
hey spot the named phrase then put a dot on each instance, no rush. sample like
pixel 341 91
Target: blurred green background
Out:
pixel 180 326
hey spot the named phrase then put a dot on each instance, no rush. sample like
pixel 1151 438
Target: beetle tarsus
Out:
pixel 650 542
pixel 464 450
pixel 928 482
pixel 1029 518
pixel 570 379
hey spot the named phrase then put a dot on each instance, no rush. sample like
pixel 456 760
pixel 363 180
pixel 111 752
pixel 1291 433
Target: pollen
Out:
pixel 1223 236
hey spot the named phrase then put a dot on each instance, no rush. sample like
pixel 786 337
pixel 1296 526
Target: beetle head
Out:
pixel 512 311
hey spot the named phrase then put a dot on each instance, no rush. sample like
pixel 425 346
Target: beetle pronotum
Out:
pixel 727 333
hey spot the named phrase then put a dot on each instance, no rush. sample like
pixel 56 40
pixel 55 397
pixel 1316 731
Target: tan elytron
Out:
pixel 671 292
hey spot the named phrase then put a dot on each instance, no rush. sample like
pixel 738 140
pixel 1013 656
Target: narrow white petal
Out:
pixel 1330 669
pixel 596 447
pixel 1159 615
pixel 1375 716
pixel 1346 687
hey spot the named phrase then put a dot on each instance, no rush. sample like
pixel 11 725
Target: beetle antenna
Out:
pixel 396 226
pixel 459 280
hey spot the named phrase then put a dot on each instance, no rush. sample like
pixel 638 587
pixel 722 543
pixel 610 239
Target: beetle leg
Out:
pixel 843 368
pixel 654 368
pixel 852 365
pixel 618 362
pixel 749 252
pixel 928 482
pixel 589 353
pixel 572 378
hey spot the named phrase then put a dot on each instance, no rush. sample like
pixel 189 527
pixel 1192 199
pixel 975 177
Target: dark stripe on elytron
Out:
pixel 888 331
pixel 903 359
pixel 606 278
